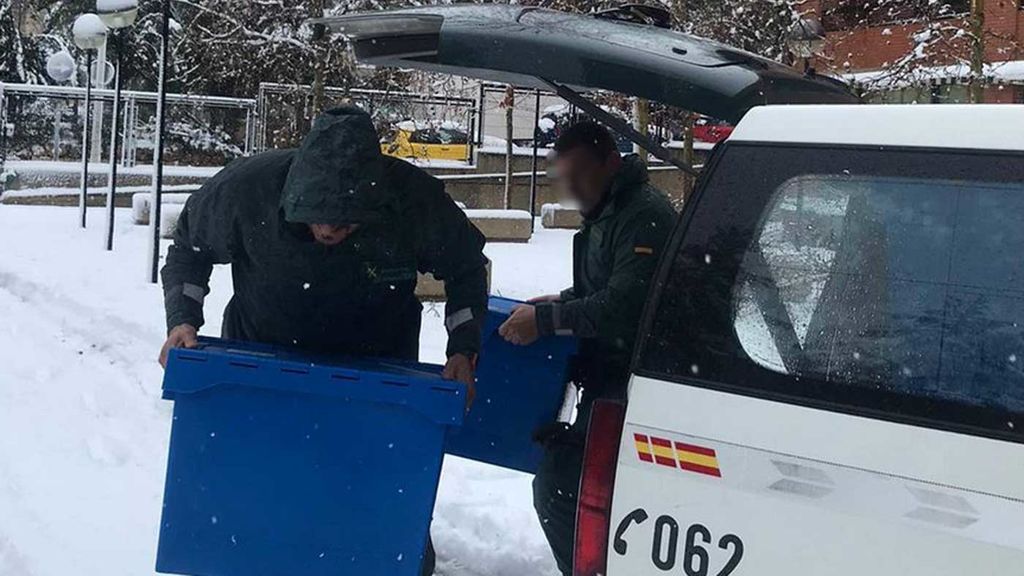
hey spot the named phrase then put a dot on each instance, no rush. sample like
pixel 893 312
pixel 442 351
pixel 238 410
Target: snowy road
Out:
pixel 83 430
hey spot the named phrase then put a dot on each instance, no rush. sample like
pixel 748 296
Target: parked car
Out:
pixel 557 118
pixel 427 142
pixel 710 130
pixel 829 375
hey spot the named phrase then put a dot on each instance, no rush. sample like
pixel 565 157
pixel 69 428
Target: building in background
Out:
pixel 919 51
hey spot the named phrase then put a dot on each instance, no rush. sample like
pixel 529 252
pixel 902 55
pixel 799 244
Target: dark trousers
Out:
pixel 556 486
pixel 427 567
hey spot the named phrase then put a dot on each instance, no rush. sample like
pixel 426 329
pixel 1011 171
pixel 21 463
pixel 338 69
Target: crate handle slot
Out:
pixel 295 370
pixel 240 364
pixel 447 389
pixel 398 383
pixel 344 376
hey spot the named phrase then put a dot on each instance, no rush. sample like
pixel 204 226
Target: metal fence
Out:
pixel 45 123
pixel 285 111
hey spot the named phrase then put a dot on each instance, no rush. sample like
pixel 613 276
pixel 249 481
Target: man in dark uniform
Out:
pixel 324 244
pixel 626 223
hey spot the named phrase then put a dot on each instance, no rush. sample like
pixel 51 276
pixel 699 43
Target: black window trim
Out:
pixel 668 258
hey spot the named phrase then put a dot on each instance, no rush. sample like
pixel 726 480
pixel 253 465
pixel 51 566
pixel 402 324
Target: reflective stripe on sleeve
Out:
pixel 458 319
pixel 556 321
pixel 194 292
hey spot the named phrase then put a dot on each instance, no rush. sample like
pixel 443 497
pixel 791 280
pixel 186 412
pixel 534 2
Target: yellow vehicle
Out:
pixel 427 143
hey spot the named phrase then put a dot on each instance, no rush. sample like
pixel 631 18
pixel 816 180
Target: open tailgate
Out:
pixel 532 47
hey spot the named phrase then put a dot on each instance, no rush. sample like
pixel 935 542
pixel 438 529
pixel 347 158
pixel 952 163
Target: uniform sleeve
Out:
pixel 451 248
pixel 202 238
pixel 614 312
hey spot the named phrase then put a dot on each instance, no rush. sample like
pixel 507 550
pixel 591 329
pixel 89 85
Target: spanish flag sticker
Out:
pixel 687 457
pixel 698 459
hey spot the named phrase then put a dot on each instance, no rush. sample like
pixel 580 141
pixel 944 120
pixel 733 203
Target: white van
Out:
pixel 830 377
pixel 830 374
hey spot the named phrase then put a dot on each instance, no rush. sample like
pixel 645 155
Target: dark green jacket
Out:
pixel 354 298
pixel 614 257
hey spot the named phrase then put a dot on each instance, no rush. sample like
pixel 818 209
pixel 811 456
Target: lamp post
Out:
pixel 116 14
pixel 60 67
pixel 90 33
pixel 806 38
pixel 158 149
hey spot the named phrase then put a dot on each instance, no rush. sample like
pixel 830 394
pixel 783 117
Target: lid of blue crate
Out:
pixel 502 306
pixel 219 363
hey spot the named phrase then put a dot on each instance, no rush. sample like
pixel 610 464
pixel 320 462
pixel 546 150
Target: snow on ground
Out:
pixel 83 431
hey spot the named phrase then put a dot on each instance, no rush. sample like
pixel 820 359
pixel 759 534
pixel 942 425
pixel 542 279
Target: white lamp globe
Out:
pixel 60 66
pixel 89 32
pixel 117 13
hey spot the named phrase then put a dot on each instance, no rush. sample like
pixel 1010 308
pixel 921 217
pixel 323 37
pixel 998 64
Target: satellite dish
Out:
pixel 60 66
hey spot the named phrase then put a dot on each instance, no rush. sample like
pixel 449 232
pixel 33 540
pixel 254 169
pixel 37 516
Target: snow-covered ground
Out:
pixel 83 431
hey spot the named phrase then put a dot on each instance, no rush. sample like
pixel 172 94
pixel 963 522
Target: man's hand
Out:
pixel 521 326
pixel 462 369
pixel 181 336
pixel 545 298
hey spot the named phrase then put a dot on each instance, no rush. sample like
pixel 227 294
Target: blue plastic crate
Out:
pixel 281 466
pixel 519 389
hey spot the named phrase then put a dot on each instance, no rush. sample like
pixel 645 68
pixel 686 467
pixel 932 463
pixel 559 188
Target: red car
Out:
pixel 707 129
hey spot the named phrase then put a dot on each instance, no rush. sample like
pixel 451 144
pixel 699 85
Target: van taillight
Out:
pixel 595 506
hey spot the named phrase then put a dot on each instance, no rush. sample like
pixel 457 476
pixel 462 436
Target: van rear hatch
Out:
pixel 532 47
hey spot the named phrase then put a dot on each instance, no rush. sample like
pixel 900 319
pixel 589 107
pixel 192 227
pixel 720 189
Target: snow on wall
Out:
pixel 497 214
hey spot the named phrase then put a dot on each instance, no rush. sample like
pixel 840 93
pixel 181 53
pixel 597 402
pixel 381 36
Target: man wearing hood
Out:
pixel 626 223
pixel 324 244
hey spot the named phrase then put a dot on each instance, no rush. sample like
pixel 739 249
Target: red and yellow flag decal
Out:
pixel 689 457
pixel 698 459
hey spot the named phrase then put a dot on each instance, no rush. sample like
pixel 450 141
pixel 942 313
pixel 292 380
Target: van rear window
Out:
pixel 879 282
pixel 913 285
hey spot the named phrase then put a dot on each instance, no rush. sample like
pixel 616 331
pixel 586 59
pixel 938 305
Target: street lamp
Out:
pixel 90 33
pixel 60 66
pixel 806 38
pixel 116 14
pixel 156 197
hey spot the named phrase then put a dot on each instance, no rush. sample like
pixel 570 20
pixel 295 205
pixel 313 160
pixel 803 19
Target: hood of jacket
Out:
pixel 337 174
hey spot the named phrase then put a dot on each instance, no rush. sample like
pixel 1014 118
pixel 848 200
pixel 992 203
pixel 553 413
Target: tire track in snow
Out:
pixel 119 340
pixel 82 444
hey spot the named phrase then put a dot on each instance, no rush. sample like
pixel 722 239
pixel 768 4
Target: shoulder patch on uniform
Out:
pixel 643 250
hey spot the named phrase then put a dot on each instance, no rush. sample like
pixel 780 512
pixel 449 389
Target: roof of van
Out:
pixel 966 126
